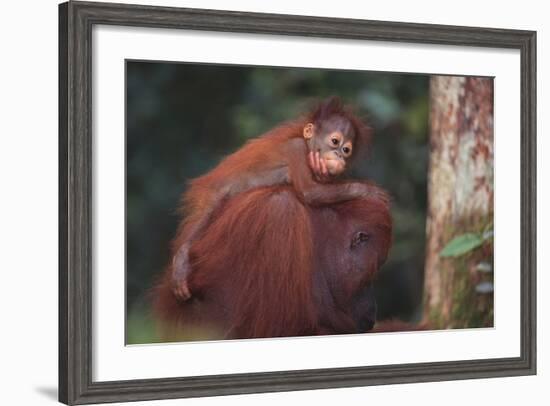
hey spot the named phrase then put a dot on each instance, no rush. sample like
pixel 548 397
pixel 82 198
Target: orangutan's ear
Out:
pixel 309 131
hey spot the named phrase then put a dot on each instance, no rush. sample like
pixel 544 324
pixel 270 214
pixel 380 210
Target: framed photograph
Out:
pixel 257 202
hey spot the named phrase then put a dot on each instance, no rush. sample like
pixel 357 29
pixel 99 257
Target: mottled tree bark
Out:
pixel 460 183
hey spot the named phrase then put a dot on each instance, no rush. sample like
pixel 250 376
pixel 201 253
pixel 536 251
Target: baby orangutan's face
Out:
pixel 331 143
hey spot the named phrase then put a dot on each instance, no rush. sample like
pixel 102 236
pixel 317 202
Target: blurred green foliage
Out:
pixel 183 118
pixel 468 268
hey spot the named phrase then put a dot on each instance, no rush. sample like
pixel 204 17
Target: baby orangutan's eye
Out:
pixel 346 148
pixel 334 141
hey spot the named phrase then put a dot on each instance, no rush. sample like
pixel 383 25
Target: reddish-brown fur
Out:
pixel 393 325
pixel 258 155
pixel 261 268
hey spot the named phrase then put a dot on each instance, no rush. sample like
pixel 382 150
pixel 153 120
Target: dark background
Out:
pixel 182 119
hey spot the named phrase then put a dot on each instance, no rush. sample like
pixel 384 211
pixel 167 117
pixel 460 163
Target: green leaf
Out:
pixel 461 245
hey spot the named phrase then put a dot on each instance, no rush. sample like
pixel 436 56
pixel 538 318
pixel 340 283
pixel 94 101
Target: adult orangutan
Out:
pixel 269 265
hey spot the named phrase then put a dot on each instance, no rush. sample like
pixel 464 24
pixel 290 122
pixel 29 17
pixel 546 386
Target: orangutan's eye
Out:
pixel 334 141
pixel 346 149
pixel 360 238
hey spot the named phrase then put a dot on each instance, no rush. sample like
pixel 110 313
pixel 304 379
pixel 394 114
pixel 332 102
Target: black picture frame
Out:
pixel 76 20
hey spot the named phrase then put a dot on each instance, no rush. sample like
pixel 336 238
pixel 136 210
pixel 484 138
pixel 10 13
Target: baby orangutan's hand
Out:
pixel 318 167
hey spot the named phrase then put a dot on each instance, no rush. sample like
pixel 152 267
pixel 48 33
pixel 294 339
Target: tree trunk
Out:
pixel 460 199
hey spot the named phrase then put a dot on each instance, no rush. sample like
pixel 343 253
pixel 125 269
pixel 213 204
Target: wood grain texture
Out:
pixel 76 20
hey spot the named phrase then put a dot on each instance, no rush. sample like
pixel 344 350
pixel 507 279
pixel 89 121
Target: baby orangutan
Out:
pixel 309 154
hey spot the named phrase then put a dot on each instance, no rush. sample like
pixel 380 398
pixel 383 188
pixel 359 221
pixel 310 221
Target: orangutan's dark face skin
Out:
pixel 347 262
